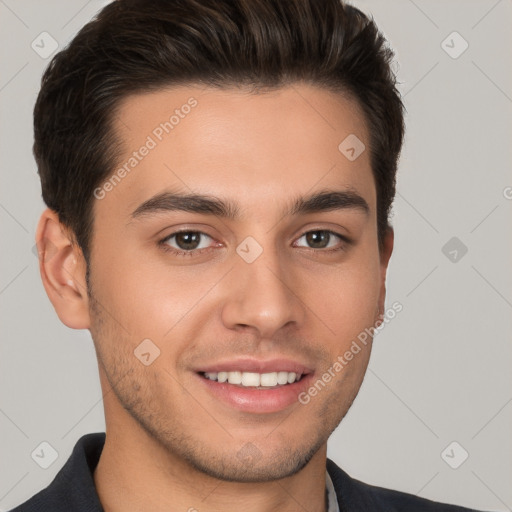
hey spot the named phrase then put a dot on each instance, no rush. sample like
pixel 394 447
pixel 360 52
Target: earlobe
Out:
pixel 62 267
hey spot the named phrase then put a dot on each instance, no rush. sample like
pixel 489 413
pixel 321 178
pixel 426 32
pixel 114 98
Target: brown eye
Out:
pixel 320 239
pixel 188 240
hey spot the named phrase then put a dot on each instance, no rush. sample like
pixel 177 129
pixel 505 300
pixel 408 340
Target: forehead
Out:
pixel 232 143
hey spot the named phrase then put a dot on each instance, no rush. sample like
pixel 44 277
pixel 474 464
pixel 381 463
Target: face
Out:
pixel 241 244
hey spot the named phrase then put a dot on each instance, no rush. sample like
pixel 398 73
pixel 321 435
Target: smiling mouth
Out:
pixel 254 380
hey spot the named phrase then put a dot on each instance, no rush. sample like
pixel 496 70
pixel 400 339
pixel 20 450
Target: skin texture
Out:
pixel 170 444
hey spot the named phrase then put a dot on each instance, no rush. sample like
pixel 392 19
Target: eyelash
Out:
pixel 195 252
pixel 176 252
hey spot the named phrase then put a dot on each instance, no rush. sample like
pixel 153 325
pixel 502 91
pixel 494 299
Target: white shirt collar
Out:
pixel 332 500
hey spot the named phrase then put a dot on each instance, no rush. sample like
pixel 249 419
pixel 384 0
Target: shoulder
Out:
pixel 73 487
pixel 353 494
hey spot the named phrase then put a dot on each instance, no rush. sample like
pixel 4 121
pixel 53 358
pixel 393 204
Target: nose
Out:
pixel 263 295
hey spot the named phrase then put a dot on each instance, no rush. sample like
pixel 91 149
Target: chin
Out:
pixel 249 465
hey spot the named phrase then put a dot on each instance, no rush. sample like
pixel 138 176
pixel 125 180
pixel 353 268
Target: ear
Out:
pixel 385 255
pixel 62 267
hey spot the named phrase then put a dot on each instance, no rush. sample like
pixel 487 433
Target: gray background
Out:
pixel 440 371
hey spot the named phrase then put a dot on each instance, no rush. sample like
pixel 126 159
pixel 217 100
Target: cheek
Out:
pixel 346 299
pixel 145 299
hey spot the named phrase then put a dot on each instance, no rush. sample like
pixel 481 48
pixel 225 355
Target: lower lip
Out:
pixel 255 400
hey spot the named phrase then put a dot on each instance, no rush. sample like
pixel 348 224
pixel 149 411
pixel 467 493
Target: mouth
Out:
pixel 256 387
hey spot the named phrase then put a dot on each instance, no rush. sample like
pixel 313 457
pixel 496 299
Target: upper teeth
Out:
pixel 255 379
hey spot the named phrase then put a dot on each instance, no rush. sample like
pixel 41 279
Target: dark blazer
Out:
pixel 72 490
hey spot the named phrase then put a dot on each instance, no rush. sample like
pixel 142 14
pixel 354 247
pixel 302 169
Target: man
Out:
pixel 219 177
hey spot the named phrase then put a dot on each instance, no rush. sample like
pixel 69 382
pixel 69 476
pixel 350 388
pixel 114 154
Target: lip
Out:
pixel 257 366
pixel 255 400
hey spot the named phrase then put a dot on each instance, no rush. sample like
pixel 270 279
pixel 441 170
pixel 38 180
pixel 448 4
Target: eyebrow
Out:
pixel 326 200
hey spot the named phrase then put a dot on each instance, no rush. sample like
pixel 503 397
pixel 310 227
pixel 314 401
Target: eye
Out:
pixel 183 242
pixel 322 239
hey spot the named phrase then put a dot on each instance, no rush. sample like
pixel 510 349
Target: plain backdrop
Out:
pixel 439 381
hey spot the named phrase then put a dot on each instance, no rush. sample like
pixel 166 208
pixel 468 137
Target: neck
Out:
pixel 136 473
